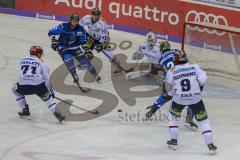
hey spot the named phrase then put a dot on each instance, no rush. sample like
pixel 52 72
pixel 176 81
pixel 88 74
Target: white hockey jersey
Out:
pixel 97 30
pixel 185 81
pixel 32 71
pixel 153 55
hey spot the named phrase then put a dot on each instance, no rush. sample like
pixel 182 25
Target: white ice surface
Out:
pixel 112 136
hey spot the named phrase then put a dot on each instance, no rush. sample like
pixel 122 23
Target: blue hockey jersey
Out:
pixel 167 61
pixel 68 37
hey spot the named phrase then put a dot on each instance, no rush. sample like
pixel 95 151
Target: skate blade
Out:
pixel 213 152
pixel 192 128
pixel 99 82
pixel 61 122
pixel 172 147
pixel 25 117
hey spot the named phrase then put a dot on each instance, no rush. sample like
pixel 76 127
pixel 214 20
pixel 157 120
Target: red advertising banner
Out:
pixel 163 16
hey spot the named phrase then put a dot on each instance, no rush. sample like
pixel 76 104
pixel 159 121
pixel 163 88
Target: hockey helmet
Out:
pixel 96 11
pixel 180 57
pixel 151 39
pixel 36 51
pixel 74 17
pixel 164 46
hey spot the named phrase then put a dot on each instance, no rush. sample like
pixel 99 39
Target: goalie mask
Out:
pixel 151 39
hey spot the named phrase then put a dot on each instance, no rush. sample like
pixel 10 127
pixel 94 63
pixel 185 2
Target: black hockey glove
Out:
pixel 54 44
pixel 99 47
pixel 153 108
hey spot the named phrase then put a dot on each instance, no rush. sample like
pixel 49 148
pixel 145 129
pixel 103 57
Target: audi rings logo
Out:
pixel 201 17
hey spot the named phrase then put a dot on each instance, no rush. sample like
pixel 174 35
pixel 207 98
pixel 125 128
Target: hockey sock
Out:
pixel 173 126
pixel 206 131
pixel 51 105
pixel 70 65
pixel 21 101
pixel 93 71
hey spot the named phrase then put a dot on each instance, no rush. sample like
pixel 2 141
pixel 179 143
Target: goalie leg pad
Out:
pixel 154 69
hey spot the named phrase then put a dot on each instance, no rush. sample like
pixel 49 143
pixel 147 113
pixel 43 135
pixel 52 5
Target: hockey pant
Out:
pixel 190 113
pixel 41 90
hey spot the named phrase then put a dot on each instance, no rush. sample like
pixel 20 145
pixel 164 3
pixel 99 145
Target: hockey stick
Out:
pixel 83 90
pixel 71 104
pixel 130 75
pixel 125 70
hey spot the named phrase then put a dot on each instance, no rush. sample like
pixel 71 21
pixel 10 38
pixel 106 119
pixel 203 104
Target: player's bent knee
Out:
pixel 175 112
pixel 86 64
pixel 202 115
pixel 46 96
pixel 14 91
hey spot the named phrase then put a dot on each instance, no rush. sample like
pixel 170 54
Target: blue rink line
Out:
pixel 217 91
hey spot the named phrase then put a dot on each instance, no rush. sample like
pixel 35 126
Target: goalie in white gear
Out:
pixel 98 37
pixel 186 80
pixel 150 49
pixel 34 79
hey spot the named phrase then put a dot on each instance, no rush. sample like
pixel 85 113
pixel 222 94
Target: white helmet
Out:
pixel 151 39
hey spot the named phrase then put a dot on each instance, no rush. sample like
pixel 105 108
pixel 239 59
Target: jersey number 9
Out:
pixel 186 85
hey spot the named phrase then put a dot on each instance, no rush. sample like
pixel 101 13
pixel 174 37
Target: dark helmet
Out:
pixel 96 11
pixel 164 46
pixel 180 57
pixel 74 17
pixel 36 51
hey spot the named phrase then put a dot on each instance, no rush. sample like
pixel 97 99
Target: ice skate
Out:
pixel 25 114
pixel 59 116
pixel 172 144
pixel 189 124
pixel 212 148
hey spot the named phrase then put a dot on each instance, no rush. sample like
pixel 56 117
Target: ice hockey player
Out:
pixel 34 79
pixel 70 37
pixel 150 49
pixel 167 61
pixel 187 80
pixel 98 37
